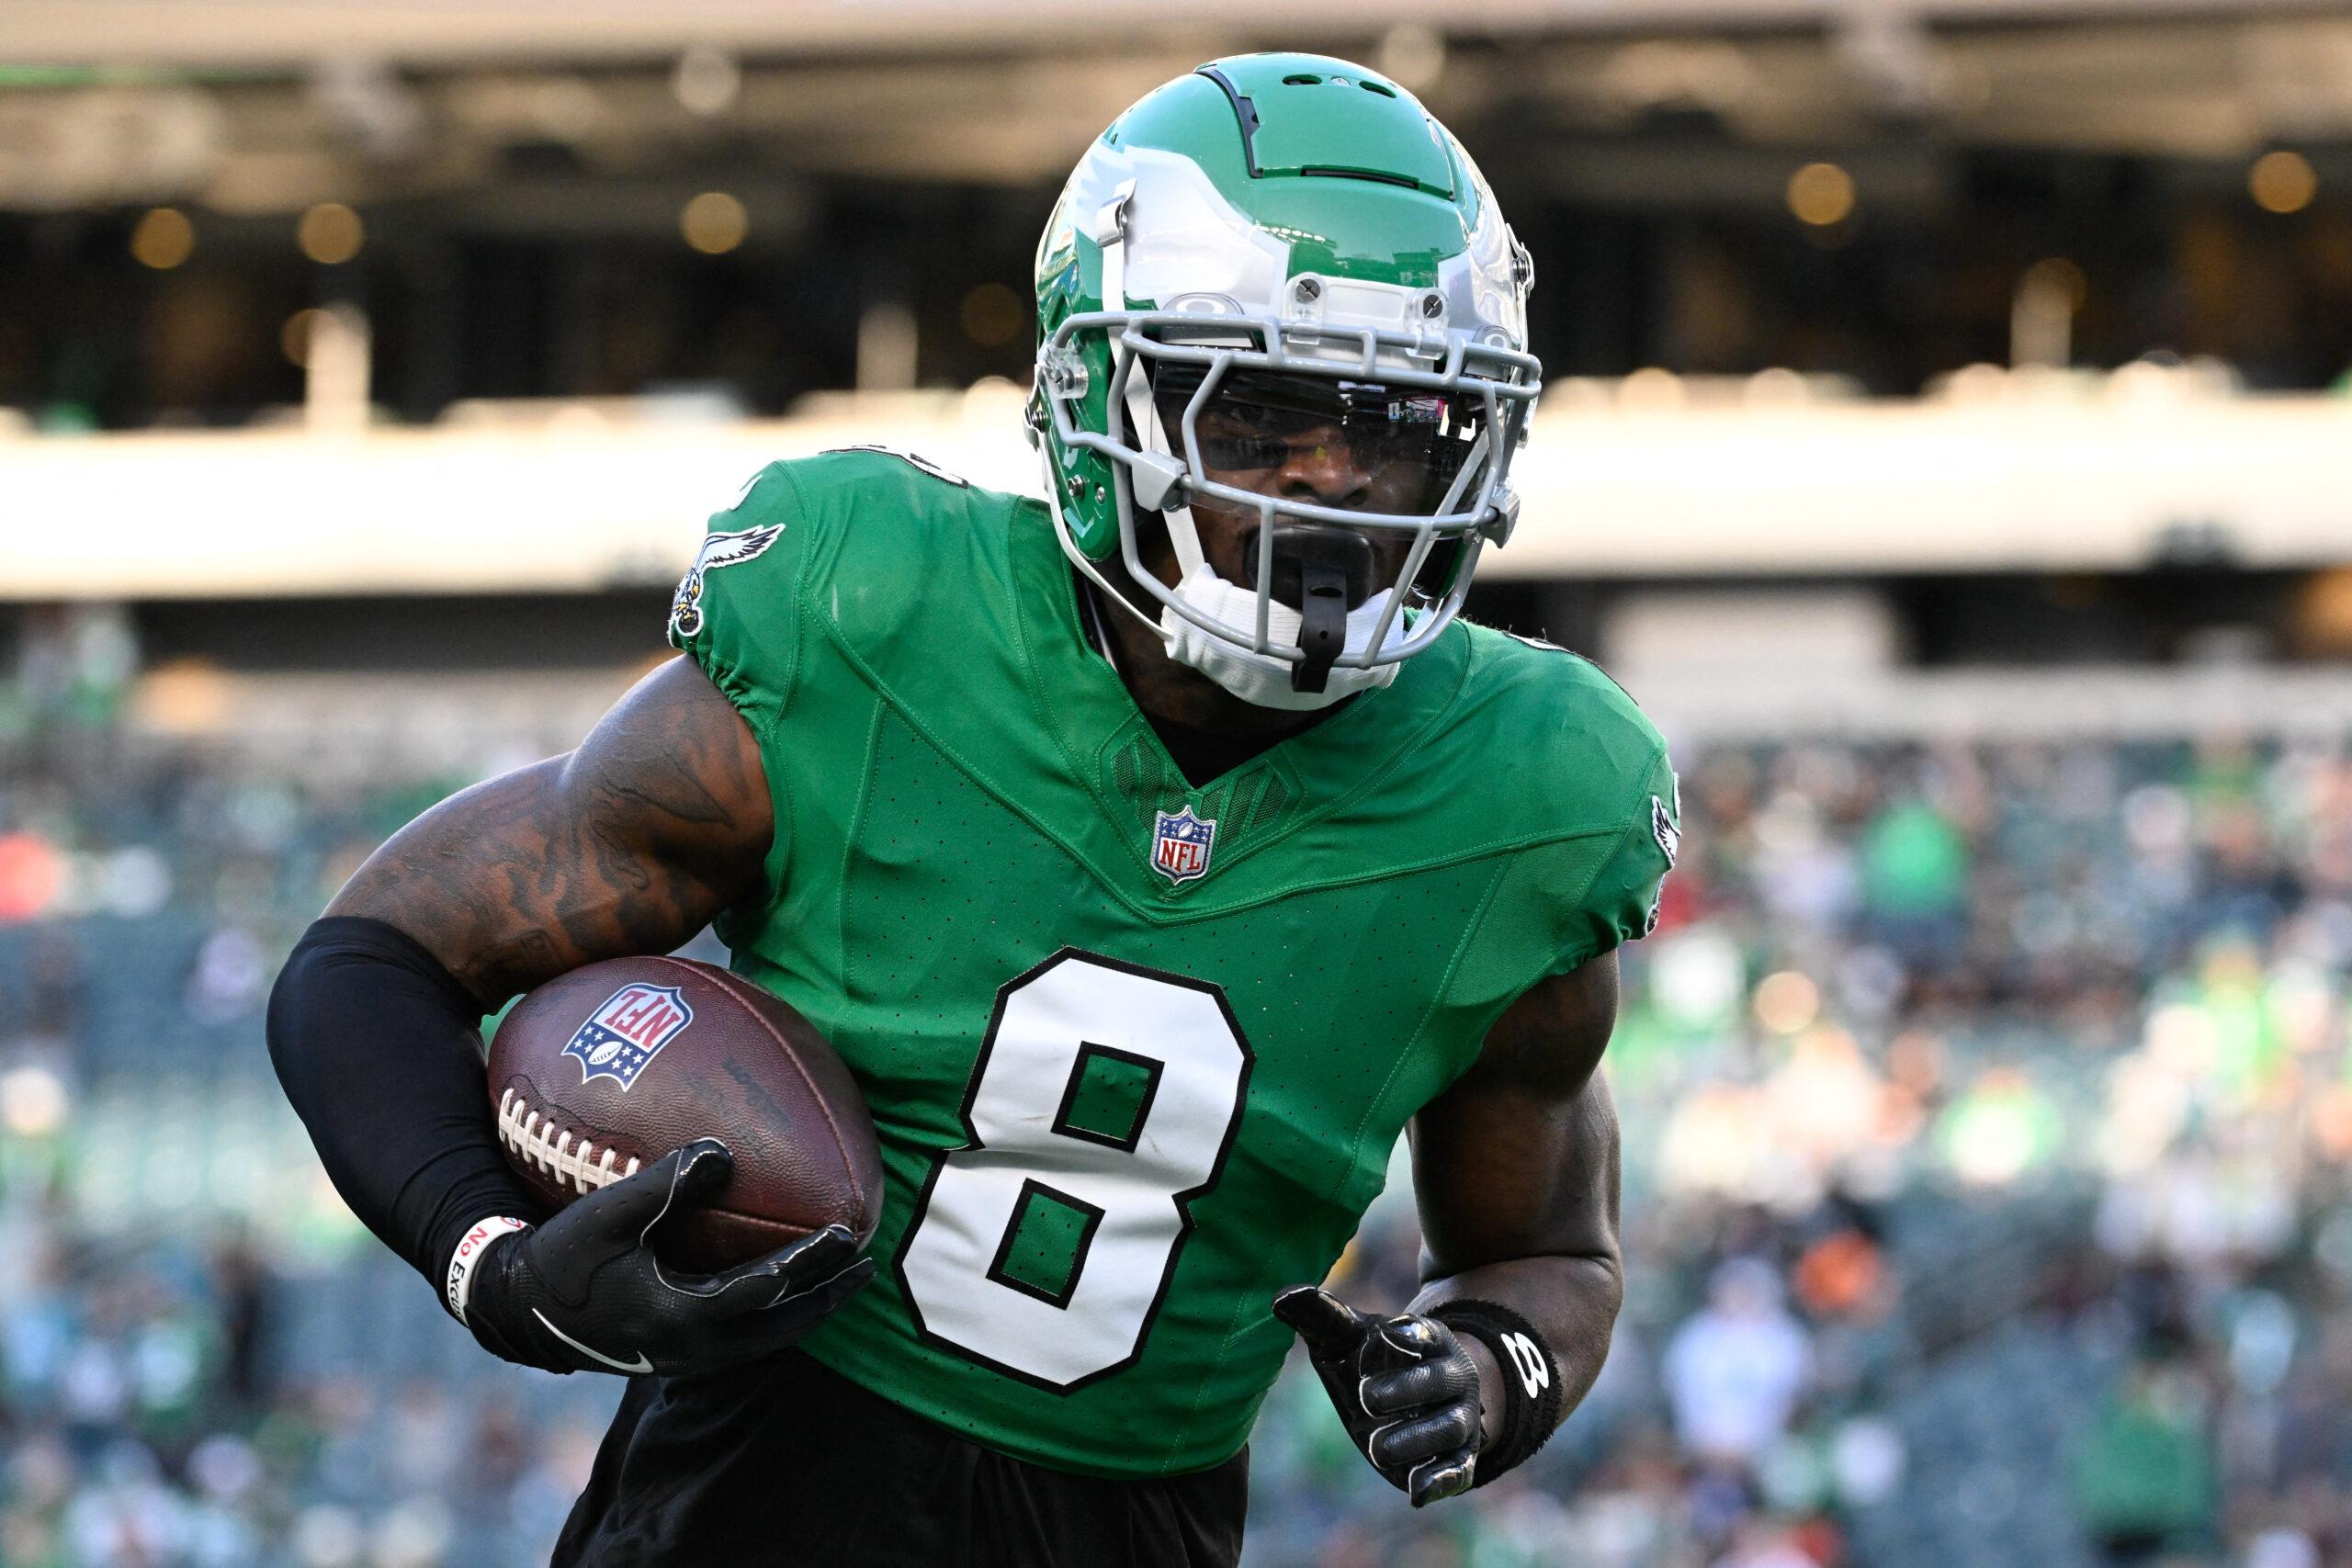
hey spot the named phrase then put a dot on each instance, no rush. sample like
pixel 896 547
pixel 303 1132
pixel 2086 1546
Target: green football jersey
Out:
pixel 1136 1052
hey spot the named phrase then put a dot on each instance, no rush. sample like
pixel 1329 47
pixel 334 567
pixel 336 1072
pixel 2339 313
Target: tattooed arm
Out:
pixel 628 845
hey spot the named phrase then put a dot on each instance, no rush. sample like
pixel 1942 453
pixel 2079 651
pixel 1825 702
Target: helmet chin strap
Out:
pixel 1111 234
pixel 1261 678
pixel 1257 678
pixel 1183 534
pixel 1143 420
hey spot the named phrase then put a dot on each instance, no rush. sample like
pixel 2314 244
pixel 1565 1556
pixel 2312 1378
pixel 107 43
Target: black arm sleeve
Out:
pixel 379 1050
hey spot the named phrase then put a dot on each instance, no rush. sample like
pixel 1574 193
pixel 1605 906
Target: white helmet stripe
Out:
pixel 1111 234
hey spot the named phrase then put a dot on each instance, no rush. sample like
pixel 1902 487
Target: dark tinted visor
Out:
pixel 1409 443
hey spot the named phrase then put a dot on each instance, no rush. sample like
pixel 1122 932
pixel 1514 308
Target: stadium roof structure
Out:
pixel 269 105
pixel 296 32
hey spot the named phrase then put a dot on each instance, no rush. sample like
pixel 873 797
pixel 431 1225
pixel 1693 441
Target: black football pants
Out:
pixel 787 1464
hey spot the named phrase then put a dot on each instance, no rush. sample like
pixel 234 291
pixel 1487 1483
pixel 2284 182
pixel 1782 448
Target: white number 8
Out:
pixel 1103 1100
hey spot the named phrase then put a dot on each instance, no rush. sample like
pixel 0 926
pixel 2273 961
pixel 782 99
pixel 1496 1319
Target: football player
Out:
pixel 1154 853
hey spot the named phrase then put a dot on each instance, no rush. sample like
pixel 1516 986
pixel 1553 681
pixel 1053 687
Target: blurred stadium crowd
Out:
pixel 1985 1109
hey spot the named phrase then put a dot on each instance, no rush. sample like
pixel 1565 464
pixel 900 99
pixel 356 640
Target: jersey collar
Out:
pixel 1114 753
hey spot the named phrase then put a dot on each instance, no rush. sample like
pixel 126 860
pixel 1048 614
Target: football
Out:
pixel 601 1072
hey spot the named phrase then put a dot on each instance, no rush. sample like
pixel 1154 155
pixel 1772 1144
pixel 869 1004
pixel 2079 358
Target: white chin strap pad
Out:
pixel 1261 678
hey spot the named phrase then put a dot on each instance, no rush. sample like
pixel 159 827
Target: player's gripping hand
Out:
pixel 1405 1389
pixel 582 1292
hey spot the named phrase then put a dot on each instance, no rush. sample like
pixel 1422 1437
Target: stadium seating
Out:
pixel 1982 1197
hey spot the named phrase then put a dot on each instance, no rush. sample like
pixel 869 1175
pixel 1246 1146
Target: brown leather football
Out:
pixel 601 1072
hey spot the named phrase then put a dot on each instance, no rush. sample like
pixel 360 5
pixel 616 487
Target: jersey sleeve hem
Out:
pixel 763 726
pixel 1604 933
pixel 1606 937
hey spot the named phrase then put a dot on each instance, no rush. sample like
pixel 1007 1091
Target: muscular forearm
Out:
pixel 1572 1301
pixel 628 845
pixel 378 1049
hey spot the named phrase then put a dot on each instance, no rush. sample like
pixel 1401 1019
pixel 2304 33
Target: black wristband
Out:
pixel 1531 1392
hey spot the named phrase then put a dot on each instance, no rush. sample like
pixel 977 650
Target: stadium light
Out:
pixel 330 234
pixel 2282 182
pixel 1821 195
pixel 714 222
pixel 163 239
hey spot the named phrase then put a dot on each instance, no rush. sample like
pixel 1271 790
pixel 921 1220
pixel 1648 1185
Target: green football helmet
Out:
pixel 1272 245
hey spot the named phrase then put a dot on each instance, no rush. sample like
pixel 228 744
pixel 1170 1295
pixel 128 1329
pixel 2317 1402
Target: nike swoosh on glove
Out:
pixel 1405 1389
pixel 583 1292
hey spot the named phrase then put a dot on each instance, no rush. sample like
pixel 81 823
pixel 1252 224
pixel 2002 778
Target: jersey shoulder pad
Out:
pixel 879 546
pixel 809 506
pixel 1592 765
pixel 913 550
pixel 738 611
pixel 1596 746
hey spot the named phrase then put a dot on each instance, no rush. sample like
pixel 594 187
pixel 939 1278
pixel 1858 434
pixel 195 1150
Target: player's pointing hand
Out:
pixel 1404 1387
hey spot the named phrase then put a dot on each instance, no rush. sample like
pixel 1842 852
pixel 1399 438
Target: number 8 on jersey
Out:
pixel 1104 1100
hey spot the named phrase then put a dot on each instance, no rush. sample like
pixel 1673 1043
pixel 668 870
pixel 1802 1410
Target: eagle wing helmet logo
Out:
pixel 717 550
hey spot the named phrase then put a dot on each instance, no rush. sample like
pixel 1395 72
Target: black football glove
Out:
pixel 582 1293
pixel 1405 1389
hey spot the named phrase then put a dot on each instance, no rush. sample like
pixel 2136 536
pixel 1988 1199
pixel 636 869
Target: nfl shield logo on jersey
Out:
pixel 1181 844
pixel 626 1031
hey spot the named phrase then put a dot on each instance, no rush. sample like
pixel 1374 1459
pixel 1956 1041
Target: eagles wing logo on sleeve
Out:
pixel 1668 834
pixel 1663 828
pixel 717 550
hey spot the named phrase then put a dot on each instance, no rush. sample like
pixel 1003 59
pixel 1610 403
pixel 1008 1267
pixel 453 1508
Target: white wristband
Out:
pixel 471 1247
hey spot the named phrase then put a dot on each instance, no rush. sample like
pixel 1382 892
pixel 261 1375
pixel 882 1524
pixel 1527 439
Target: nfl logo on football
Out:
pixel 1181 844
pixel 626 1031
